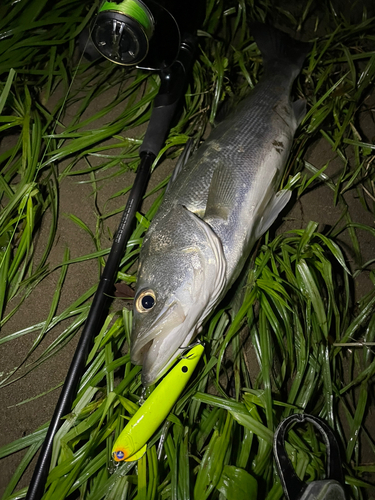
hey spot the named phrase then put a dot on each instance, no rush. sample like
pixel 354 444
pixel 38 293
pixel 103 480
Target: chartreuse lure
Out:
pixel 132 442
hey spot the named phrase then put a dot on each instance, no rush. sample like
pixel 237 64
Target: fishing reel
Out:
pixel 142 33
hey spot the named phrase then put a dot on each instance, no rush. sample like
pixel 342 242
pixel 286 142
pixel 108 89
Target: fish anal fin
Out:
pixel 272 210
pixel 136 456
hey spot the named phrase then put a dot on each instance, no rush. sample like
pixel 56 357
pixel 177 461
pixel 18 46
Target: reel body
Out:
pixel 143 33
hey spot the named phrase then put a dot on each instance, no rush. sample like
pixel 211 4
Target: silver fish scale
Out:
pixel 249 150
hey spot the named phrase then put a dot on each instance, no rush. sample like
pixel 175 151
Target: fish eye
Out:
pixel 146 300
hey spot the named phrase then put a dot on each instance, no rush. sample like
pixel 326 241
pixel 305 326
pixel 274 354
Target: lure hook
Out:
pixel 187 348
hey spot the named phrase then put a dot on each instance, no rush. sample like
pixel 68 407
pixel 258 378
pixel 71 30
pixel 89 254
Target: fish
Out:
pixel 217 205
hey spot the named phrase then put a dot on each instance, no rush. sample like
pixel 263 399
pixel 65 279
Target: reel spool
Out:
pixel 123 29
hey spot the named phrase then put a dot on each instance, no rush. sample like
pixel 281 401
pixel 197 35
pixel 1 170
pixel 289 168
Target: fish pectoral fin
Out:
pixel 136 456
pixel 221 195
pixel 272 210
pixel 299 110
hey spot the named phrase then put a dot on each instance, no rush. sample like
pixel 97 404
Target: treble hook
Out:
pixel 187 348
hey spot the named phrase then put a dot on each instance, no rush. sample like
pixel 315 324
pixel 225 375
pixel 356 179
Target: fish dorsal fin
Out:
pixel 272 210
pixel 224 110
pixel 299 110
pixel 221 195
pixel 217 280
pixel 181 162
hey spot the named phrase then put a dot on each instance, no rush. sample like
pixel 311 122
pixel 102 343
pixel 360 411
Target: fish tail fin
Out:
pixel 279 49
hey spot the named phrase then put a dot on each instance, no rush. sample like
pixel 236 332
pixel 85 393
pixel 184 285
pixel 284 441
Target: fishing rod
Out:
pixel 172 86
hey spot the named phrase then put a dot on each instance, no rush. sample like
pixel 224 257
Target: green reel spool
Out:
pixel 122 31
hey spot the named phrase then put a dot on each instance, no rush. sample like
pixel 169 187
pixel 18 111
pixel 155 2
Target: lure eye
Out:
pixel 146 300
pixel 118 455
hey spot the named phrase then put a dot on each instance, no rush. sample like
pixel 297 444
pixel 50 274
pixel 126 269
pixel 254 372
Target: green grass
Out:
pixel 292 321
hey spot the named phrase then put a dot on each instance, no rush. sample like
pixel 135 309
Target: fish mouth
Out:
pixel 157 349
pixel 160 357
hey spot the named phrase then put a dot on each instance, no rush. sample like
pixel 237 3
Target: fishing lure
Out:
pixel 131 444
